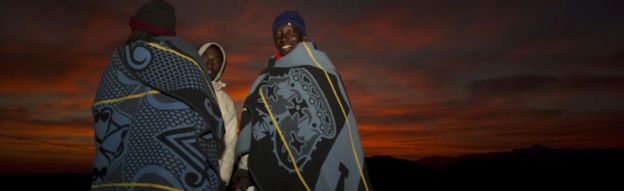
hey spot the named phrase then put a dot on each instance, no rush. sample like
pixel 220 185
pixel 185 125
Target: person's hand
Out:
pixel 241 180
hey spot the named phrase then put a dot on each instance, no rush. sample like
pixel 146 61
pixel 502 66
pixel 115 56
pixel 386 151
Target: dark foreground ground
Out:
pixel 533 168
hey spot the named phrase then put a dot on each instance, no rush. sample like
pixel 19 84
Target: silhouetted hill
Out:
pixel 534 168
pixel 527 168
pixel 47 182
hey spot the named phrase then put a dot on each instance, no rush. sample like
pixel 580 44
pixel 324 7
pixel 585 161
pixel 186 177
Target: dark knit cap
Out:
pixel 292 17
pixel 156 17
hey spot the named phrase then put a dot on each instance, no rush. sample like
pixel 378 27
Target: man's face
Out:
pixel 214 59
pixel 286 38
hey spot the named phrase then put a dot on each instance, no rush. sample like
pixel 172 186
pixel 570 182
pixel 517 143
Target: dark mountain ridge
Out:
pixel 534 168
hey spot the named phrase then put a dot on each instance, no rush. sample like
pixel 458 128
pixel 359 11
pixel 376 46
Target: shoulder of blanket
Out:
pixel 167 43
pixel 180 46
pixel 314 55
pixel 165 56
pixel 159 46
pixel 323 59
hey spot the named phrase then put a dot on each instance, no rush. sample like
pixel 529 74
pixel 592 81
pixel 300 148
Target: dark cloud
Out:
pixel 37 62
pixel 512 85
pixel 520 85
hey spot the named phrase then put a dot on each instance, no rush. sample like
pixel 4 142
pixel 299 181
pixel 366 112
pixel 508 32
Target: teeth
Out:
pixel 285 46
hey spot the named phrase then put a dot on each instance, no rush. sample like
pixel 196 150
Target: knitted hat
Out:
pixel 156 17
pixel 292 17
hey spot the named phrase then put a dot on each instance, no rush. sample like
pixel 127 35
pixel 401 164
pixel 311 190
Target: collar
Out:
pixel 278 56
pixel 218 85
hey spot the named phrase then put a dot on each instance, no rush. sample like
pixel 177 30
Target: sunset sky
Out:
pixel 425 77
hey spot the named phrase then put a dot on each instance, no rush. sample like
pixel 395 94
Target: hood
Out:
pixel 203 49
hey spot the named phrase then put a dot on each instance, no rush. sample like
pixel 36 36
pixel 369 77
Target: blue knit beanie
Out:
pixel 292 17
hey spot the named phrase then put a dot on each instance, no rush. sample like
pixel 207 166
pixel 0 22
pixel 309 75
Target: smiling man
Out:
pixel 298 131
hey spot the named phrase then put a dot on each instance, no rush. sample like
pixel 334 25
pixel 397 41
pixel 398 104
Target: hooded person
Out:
pixel 157 123
pixel 215 60
pixel 298 130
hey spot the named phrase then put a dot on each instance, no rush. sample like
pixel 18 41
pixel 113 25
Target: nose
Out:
pixel 283 39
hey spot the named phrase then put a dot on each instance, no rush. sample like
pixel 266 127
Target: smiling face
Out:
pixel 214 60
pixel 286 38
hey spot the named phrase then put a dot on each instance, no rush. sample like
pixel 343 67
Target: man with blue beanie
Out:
pixel 288 30
pixel 298 130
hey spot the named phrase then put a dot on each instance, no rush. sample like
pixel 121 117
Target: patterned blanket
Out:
pixel 157 124
pixel 298 127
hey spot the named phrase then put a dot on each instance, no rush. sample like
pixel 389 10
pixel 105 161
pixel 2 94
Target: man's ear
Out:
pixel 304 38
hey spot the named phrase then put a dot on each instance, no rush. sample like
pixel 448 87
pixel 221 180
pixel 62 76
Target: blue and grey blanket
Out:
pixel 157 124
pixel 298 127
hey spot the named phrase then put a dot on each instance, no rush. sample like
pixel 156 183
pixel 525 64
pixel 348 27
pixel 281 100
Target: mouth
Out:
pixel 286 47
